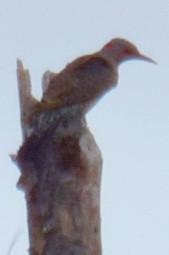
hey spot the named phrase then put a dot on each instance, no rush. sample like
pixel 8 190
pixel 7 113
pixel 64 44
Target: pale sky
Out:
pixel 130 124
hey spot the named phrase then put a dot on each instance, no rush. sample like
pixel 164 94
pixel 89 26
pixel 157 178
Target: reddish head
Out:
pixel 121 50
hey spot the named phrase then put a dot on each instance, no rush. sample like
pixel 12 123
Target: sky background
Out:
pixel 130 124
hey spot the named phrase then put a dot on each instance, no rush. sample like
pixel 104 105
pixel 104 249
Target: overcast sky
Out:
pixel 130 124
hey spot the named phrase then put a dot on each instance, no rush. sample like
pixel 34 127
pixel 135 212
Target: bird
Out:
pixel 85 80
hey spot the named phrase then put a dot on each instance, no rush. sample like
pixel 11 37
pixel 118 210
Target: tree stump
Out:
pixel 60 166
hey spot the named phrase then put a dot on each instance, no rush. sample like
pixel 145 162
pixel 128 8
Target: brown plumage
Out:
pixel 89 77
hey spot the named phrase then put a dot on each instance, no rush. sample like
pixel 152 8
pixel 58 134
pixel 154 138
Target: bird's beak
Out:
pixel 144 58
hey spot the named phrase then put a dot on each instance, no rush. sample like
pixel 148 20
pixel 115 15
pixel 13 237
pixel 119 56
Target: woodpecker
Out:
pixel 89 77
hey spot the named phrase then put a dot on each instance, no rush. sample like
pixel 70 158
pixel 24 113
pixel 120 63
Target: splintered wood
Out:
pixel 60 174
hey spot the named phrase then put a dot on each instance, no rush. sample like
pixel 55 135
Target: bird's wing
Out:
pixel 91 63
pixel 79 82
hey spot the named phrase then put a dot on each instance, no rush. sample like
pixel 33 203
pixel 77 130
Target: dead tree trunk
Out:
pixel 60 166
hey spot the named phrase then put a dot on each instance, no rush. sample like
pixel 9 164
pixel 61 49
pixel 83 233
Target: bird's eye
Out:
pixel 128 51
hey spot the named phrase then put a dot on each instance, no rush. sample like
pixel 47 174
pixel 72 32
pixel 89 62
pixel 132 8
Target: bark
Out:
pixel 60 166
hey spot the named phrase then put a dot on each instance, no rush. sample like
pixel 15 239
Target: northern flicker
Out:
pixel 89 77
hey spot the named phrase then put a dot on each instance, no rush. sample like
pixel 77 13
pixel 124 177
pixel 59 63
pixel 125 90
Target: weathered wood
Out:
pixel 60 167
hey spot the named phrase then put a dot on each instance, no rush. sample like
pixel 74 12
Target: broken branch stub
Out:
pixel 60 166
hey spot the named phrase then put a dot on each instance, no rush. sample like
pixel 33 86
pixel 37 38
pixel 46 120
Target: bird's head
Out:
pixel 121 50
